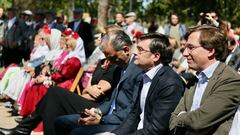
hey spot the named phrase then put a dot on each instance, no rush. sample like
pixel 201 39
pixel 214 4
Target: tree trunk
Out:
pixel 102 13
pixel 21 5
pixel 70 9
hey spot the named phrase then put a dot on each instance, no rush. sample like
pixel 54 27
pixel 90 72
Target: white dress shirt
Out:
pixel 147 81
pixel 11 22
pixel 76 24
pixel 203 79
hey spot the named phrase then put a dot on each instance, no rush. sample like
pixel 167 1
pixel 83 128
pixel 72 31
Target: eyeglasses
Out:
pixel 191 47
pixel 141 50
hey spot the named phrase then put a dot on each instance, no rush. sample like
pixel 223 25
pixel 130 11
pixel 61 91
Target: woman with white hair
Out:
pixel 37 55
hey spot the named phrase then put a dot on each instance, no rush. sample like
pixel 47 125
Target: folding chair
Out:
pixel 75 85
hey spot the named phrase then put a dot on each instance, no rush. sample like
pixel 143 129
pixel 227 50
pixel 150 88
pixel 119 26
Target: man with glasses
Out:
pixel 160 92
pixel 207 107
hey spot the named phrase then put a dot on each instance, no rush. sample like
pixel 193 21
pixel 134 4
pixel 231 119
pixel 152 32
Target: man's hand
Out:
pixel 40 79
pixel 95 91
pixel 92 119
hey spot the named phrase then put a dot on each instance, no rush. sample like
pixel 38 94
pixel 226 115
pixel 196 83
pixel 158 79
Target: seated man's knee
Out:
pixel 66 123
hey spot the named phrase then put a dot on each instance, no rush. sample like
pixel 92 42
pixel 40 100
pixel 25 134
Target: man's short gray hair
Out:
pixel 117 39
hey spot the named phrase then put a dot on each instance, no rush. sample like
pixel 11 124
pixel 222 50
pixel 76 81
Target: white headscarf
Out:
pixel 55 39
pixel 55 51
pixel 78 52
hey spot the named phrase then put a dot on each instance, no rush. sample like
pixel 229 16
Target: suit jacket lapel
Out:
pixel 213 81
pixel 189 96
pixel 79 28
pixel 129 69
pixel 155 81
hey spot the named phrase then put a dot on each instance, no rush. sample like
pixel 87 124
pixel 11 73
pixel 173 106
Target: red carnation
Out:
pixel 133 31
pixel 45 26
pixel 68 31
pixel 75 35
pixel 46 29
pixel 138 34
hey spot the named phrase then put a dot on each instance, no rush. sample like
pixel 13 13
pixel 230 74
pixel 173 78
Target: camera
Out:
pixel 204 20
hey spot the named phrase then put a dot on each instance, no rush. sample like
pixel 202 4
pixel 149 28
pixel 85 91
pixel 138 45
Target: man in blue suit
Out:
pixel 161 89
pixel 117 47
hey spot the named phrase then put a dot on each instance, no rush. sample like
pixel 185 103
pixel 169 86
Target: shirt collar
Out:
pixel 208 72
pixel 152 72
pixel 77 21
pixel 13 19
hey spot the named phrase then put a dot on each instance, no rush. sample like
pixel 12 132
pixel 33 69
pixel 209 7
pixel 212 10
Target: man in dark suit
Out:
pixel 109 115
pixel 161 89
pixel 13 36
pixel 38 21
pixel 208 107
pixel 83 29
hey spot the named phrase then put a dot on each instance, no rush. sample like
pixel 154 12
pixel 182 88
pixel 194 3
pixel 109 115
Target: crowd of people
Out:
pixel 176 80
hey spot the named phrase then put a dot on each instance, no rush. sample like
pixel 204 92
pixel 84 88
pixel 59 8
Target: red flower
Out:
pixel 68 31
pixel 138 34
pixel 45 26
pixel 133 31
pixel 46 29
pixel 75 35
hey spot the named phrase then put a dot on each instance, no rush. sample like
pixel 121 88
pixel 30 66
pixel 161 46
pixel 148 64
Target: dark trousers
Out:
pixel 68 125
pixel 11 55
pixel 59 101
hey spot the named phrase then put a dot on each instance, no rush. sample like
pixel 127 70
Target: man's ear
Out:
pixel 156 56
pixel 125 48
pixel 211 53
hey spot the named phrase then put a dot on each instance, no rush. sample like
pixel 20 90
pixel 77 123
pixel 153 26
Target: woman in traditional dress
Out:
pixel 63 78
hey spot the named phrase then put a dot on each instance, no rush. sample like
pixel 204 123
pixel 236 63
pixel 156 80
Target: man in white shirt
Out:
pixel 83 29
pixel 132 27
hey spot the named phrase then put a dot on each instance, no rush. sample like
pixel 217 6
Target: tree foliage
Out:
pixel 189 10
pixel 157 10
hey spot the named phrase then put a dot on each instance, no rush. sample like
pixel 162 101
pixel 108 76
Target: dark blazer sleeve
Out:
pixel 132 120
pixel 85 32
pixel 70 25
